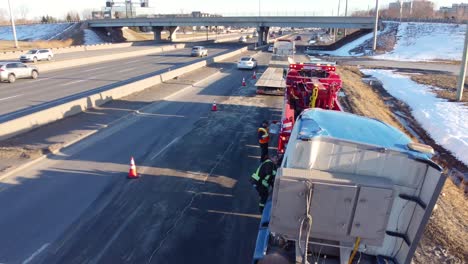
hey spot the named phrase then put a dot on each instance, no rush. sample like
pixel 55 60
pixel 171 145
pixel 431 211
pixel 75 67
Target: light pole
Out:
pixel 13 25
pixel 461 77
pixel 374 46
pixel 259 13
pixel 346 14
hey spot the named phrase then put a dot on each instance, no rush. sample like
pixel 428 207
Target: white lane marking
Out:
pixel 6 98
pixel 127 69
pixel 93 69
pixel 68 83
pixel 129 62
pixel 163 149
pixel 36 253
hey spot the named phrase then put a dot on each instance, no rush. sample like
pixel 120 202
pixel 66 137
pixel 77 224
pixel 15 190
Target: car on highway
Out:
pixel 270 48
pixel 199 51
pixel 249 36
pixel 312 41
pixel 255 34
pixel 35 55
pixel 298 38
pixel 243 39
pixel 247 63
pixel 10 71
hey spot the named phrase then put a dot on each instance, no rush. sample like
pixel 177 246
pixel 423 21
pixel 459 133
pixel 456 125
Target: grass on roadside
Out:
pixel 362 99
pixel 446 85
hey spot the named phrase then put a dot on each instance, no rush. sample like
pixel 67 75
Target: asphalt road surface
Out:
pixel 193 203
pixel 26 95
pixel 137 45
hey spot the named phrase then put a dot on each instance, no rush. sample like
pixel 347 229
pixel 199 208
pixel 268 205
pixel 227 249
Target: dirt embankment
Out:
pixel 7 45
pixel 446 85
pixel 445 239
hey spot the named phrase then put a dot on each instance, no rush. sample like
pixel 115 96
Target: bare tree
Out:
pixel 3 15
pixel 23 11
pixel 87 13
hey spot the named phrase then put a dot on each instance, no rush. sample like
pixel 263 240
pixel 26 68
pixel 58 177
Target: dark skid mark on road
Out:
pixel 194 204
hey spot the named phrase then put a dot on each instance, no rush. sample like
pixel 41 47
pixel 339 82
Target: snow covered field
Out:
pixel 346 49
pixel 34 32
pixel 427 41
pixel 446 122
pixel 91 38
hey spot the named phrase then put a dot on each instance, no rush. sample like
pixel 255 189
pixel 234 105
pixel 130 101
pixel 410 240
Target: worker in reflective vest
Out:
pixel 263 179
pixel 263 139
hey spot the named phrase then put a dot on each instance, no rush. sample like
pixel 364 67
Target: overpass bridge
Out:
pixel 262 23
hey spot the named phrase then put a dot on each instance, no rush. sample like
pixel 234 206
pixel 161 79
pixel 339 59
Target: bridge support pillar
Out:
pixel 157 33
pixel 262 35
pixel 172 33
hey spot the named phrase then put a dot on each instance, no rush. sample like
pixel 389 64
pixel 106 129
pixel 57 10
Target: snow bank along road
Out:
pixel 26 96
pixel 194 202
pixel 446 122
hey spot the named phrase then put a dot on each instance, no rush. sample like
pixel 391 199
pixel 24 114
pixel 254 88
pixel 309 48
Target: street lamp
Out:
pixel 13 25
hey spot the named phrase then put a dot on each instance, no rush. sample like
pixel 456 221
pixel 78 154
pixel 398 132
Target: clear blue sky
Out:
pixel 58 8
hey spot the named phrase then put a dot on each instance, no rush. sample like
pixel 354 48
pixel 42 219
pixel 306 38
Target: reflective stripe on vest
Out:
pixel 265 138
pixel 255 176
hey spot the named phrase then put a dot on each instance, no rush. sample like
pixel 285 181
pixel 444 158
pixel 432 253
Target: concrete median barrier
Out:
pixel 25 123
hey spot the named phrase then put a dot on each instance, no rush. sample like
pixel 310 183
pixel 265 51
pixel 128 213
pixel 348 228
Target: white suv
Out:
pixel 37 55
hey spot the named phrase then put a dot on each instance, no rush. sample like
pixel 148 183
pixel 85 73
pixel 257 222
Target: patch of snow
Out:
pixel 91 38
pixel 427 41
pixel 34 32
pixel 446 122
pixel 345 50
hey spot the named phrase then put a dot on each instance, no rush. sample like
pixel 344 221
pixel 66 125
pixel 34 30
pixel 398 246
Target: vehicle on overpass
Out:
pixel 272 80
pixel 199 51
pixel 349 189
pixel 247 63
pixel 37 55
pixel 243 39
pixel 10 71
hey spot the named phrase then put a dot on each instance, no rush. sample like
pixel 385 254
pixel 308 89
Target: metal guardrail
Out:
pixel 427 20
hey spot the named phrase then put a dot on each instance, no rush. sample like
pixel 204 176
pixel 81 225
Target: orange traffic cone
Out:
pixel 132 173
pixel 243 82
pixel 214 107
pixel 254 75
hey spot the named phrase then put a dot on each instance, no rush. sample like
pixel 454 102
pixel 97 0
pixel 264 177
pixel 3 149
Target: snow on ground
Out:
pixel 91 38
pixel 427 41
pixel 34 32
pixel 446 122
pixel 346 50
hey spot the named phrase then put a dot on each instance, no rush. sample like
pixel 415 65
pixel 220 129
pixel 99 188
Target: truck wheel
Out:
pixel 11 78
pixel 34 59
pixel 34 74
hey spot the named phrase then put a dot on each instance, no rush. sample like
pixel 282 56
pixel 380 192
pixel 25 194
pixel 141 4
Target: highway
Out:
pixel 193 203
pixel 26 95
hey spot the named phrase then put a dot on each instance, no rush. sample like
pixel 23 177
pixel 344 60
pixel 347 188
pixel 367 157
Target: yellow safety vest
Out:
pixel 256 177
